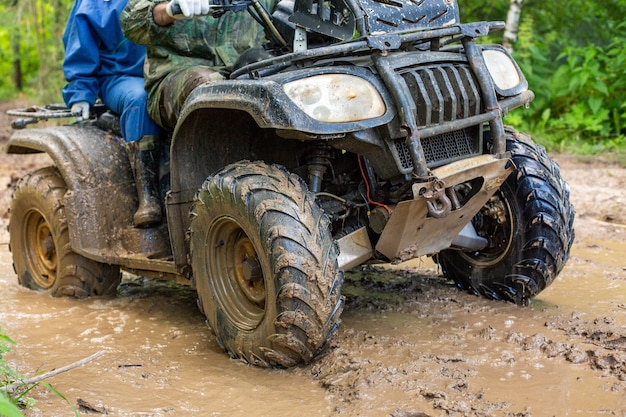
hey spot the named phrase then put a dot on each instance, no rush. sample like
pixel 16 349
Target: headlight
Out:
pixel 336 98
pixel 504 71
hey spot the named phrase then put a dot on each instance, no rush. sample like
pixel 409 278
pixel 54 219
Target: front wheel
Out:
pixel 529 226
pixel 265 265
pixel 39 241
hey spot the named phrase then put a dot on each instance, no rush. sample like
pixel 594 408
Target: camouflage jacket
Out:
pixel 206 41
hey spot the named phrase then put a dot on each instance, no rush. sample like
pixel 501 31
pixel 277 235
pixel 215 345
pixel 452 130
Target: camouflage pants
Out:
pixel 166 101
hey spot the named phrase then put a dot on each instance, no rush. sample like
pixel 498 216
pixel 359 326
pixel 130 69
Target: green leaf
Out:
pixel 590 54
pixel 6 339
pixel 26 390
pixel 8 409
pixel 601 87
pixel 595 104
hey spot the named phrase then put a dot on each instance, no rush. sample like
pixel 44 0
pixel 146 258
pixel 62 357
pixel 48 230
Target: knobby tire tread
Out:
pixel 77 276
pixel 308 300
pixel 545 234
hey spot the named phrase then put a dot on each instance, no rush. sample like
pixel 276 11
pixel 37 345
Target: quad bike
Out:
pixel 365 130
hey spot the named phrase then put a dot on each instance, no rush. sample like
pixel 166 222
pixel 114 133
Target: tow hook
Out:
pixel 438 203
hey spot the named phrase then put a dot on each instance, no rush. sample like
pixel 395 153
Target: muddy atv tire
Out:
pixel 39 241
pixel 529 226
pixel 265 265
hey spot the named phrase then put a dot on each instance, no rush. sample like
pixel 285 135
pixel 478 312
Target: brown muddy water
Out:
pixel 410 344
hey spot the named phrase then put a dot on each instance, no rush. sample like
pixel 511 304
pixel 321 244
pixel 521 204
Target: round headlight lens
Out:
pixel 502 69
pixel 336 98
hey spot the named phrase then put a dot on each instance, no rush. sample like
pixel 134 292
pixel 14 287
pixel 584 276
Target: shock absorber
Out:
pixel 318 159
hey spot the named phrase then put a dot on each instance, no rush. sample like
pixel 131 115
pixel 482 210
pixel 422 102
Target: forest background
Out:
pixel 573 54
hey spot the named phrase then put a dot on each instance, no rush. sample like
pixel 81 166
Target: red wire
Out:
pixel 367 188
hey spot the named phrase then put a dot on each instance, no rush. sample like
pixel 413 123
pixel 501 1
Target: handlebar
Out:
pixel 254 7
pixel 35 114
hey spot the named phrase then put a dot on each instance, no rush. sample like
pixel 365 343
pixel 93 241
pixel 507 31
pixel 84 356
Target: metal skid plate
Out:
pixel 411 232
pixel 354 249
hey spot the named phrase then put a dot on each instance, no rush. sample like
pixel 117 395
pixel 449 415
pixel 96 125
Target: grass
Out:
pixel 14 387
pixel 8 376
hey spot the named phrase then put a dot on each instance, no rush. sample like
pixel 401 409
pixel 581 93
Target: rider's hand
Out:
pixel 80 110
pixel 188 8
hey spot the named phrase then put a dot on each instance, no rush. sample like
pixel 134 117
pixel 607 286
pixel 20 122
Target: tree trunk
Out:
pixel 16 52
pixel 17 74
pixel 512 24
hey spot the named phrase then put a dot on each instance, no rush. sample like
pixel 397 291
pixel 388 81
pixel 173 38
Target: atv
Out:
pixel 365 130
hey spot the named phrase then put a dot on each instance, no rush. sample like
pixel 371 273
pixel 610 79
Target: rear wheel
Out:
pixel 265 265
pixel 39 241
pixel 529 226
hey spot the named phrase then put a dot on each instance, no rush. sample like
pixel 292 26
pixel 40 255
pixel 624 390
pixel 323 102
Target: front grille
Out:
pixel 441 149
pixel 448 146
pixel 442 92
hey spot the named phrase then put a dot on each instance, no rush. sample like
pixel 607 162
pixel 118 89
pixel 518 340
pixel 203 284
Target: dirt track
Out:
pixel 410 344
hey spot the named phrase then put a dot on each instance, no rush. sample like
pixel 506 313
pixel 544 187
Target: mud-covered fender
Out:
pixel 265 100
pixel 232 120
pixel 101 198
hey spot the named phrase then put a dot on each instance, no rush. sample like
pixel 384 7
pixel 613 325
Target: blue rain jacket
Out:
pixel 95 48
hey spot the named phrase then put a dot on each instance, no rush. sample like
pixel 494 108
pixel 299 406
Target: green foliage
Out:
pixel 579 105
pixel 574 59
pixel 8 409
pixel 30 39
pixel 7 376
pixel 13 389
pixel 474 11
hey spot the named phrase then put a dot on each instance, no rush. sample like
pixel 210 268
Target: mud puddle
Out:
pixel 441 352
pixel 410 345
pixel 160 359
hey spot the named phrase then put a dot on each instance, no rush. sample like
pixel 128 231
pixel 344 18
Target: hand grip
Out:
pixel 22 123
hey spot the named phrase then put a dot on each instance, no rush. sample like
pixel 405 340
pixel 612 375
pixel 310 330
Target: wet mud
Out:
pixel 410 344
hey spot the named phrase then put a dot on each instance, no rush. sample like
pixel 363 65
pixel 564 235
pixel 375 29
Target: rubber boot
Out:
pixel 144 163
